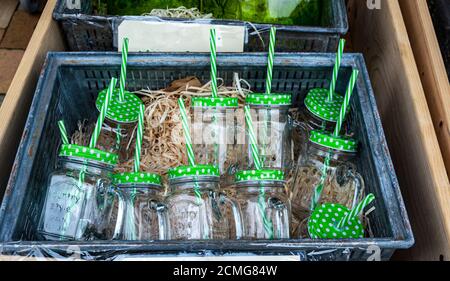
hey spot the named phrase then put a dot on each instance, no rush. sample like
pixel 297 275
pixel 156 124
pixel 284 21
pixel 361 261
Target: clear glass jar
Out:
pixel 332 168
pixel 79 197
pixel 264 205
pixel 215 135
pixel 196 209
pixel 141 213
pixel 271 124
pixel 120 123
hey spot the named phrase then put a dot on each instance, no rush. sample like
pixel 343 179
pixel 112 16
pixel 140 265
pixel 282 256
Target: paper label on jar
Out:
pixel 63 207
pixel 155 36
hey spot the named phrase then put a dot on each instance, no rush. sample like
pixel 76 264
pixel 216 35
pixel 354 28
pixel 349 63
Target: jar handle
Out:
pixel 163 222
pixel 236 215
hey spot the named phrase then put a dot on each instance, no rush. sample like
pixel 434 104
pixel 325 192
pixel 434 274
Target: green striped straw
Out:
pixel 348 95
pixel 270 58
pixel 337 65
pixel 63 131
pixel 188 140
pixel 213 48
pixel 123 70
pixel 356 211
pixel 103 110
pixel 268 226
pixel 187 134
pixel 318 190
pixel 139 135
pixel 252 137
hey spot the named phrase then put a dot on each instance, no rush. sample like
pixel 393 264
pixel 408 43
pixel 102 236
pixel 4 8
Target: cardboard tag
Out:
pixel 154 36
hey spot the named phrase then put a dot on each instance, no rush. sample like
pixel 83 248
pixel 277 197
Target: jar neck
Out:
pixel 258 186
pixel 140 188
pixel 189 183
pixel 317 154
pixel 88 166
pixel 316 123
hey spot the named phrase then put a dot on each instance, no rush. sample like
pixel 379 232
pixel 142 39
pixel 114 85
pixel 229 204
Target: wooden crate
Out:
pixel 381 35
pixel 431 68
pixel 14 110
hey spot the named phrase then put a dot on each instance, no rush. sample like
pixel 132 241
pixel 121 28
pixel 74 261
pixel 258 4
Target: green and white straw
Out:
pixel 63 131
pixel 272 38
pixel 348 95
pixel 103 110
pixel 123 70
pixel 252 137
pixel 187 134
pixel 337 65
pixel 188 140
pixel 213 48
pixel 356 211
pixel 319 188
pixel 268 226
pixel 139 136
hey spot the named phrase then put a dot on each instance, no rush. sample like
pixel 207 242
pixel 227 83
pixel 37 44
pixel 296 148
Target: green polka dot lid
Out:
pixel 194 171
pixel 260 175
pixel 137 178
pixel 328 140
pixel 324 220
pixel 121 112
pixel 316 102
pixel 78 151
pixel 215 102
pixel 272 99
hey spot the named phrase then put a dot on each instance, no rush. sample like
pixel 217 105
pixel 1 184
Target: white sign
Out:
pixel 153 36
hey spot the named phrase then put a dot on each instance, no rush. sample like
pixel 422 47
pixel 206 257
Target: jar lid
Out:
pixel 120 112
pixel 193 171
pixel 138 178
pixel 72 150
pixel 260 175
pixel 339 143
pixel 324 219
pixel 316 103
pixel 215 102
pixel 272 99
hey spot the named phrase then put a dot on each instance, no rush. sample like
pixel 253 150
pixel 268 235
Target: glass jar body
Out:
pixel 117 138
pixel 272 128
pixel 265 209
pixel 141 213
pixel 334 170
pixel 216 141
pixel 197 210
pixel 78 202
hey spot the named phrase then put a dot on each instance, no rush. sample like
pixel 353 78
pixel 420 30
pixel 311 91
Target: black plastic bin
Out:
pixel 68 88
pixel 87 32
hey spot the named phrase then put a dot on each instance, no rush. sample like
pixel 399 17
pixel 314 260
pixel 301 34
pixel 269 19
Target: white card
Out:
pixel 153 36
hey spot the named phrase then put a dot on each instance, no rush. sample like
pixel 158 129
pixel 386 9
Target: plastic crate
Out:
pixel 87 32
pixel 68 88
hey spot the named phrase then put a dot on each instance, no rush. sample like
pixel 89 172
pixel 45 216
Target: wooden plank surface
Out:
pixel 7 8
pixel 381 35
pixel 431 68
pixel 14 110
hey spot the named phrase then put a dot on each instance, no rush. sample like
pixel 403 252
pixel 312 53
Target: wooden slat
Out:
pixel 431 68
pixel 14 109
pixel 7 8
pixel 381 35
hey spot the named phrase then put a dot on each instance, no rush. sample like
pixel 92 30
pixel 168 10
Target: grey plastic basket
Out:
pixel 87 32
pixel 68 87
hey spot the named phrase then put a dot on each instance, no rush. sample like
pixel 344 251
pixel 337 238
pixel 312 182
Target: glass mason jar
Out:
pixel 271 124
pixel 327 163
pixel 264 205
pixel 215 135
pixel 196 209
pixel 141 213
pixel 79 197
pixel 120 123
